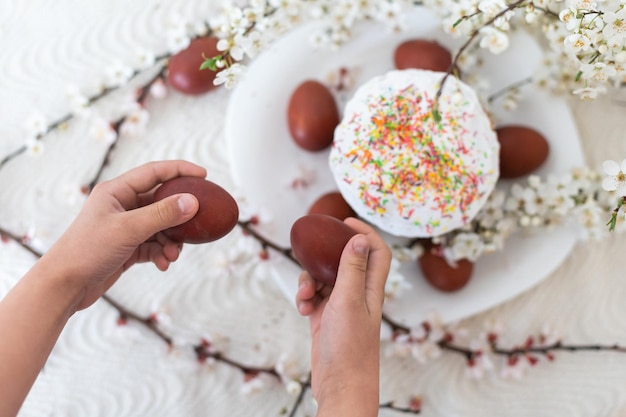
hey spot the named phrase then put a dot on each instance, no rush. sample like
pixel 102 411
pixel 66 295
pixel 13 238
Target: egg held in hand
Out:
pixel 317 242
pixel 312 116
pixel 216 217
pixel 183 71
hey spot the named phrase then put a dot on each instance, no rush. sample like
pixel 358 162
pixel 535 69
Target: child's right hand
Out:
pixel 345 325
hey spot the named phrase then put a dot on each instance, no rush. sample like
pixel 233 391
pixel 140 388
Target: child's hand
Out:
pixel 119 226
pixel 345 325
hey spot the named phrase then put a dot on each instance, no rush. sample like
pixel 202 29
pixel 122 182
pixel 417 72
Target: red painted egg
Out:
pixel 522 150
pixel 332 204
pixel 317 242
pixel 443 276
pixel 312 116
pixel 216 217
pixel 183 71
pixel 422 54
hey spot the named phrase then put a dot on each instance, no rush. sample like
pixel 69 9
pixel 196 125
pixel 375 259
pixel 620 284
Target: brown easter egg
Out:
pixel 317 241
pixel 522 150
pixel 312 116
pixel 422 54
pixel 216 217
pixel 332 204
pixel 443 276
pixel 183 71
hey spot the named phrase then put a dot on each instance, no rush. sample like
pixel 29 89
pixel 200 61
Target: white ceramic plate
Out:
pixel 265 159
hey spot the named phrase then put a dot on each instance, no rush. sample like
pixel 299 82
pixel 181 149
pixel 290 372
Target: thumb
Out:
pixel 169 212
pixel 351 276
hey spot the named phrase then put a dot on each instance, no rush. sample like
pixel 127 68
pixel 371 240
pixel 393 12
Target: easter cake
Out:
pixel 411 164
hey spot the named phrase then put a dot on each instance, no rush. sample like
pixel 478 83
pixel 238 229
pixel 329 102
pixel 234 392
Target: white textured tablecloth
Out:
pixel 100 368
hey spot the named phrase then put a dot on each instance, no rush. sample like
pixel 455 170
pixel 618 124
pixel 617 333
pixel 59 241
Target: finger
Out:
pixel 378 262
pixel 351 276
pixel 306 287
pixel 144 178
pixel 306 297
pixel 153 252
pixel 146 221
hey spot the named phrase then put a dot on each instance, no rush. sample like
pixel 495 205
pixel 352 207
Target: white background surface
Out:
pixel 101 369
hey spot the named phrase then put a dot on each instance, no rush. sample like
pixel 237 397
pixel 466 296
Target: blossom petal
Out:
pixel 621 191
pixel 610 167
pixel 623 166
pixel 609 184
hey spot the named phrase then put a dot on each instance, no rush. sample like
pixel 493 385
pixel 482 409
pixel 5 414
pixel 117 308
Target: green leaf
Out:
pixel 436 115
pixel 210 63
pixel 578 75
pixel 612 222
pixel 457 23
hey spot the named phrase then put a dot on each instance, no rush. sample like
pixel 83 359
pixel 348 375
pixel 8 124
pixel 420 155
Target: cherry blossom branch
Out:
pixel 20 240
pixel 511 87
pixel 304 387
pixel 116 125
pixel 62 121
pixel 414 408
pixel 247 226
pixel 462 49
pixel 557 346
pixel 151 323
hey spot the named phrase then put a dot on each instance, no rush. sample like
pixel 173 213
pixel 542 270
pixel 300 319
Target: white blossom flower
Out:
pixel 390 13
pixel 396 283
pixel 616 177
pixel 494 40
pixel 490 8
pixel 479 365
pixel 577 43
pixel 117 74
pixel 232 46
pixel 177 39
pixel 145 59
pixel 593 219
pixel 289 367
pixel 34 146
pixel 79 103
pixel 255 384
pixel 253 43
pixel 582 4
pixel 229 76
pixel 598 71
pixel 492 211
pixel 36 124
pixel 102 131
pixel 135 121
pixel 158 89
pixel 425 351
pixel 400 346
pixel 467 246
pixel 589 93
pixel 615 24
pixel 294 388
pixel 568 16
pixel 548 335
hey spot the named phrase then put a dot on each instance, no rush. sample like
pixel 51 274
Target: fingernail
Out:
pixel 186 203
pixel 360 245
